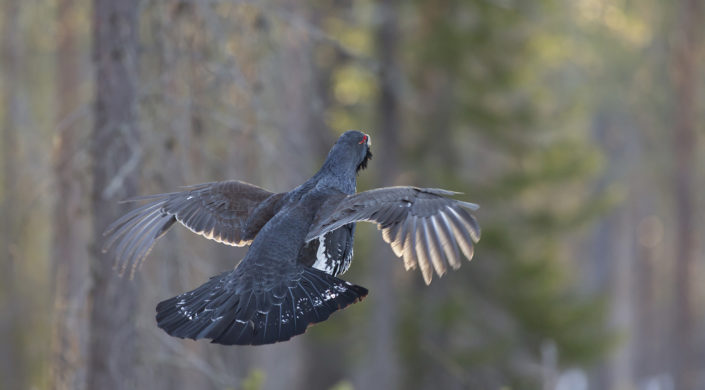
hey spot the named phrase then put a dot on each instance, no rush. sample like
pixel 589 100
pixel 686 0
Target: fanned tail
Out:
pixel 232 311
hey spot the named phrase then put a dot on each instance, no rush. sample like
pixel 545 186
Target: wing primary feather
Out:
pixel 462 236
pixel 395 242
pixel 447 243
pixel 435 247
pixel 422 253
pixel 403 227
pixel 410 259
pixel 127 227
pixel 468 205
pixel 130 216
pixel 132 238
pixel 165 228
pixel 470 222
pixel 387 235
pixel 438 191
pixel 394 231
pixel 146 246
pixel 149 197
pixel 135 232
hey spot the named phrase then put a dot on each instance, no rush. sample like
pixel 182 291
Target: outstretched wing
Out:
pixel 422 225
pixel 217 211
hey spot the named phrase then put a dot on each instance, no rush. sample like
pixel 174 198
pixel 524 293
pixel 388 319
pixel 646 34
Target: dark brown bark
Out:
pixel 13 370
pixel 686 76
pixel 115 153
pixel 69 257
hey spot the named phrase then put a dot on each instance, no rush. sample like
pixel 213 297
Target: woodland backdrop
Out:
pixel 577 125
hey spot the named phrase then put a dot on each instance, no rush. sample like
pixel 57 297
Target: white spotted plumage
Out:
pixel 332 260
pixel 322 262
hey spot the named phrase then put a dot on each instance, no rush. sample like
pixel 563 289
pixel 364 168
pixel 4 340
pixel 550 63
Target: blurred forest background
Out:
pixel 576 124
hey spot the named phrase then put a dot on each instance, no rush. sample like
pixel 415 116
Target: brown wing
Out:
pixel 422 225
pixel 217 211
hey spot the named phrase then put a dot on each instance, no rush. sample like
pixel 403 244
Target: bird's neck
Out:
pixel 336 176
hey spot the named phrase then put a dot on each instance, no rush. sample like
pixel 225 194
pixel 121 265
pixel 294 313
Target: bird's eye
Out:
pixel 364 139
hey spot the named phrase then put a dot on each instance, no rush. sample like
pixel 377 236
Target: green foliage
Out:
pixel 481 85
pixel 343 385
pixel 254 380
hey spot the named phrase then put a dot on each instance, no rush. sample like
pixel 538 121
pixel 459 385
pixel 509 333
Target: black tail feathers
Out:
pixel 225 312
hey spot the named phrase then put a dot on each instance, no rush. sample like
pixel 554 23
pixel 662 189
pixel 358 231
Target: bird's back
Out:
pixel 283 236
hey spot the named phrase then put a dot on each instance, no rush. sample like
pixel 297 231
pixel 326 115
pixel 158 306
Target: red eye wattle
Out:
pixel 364 139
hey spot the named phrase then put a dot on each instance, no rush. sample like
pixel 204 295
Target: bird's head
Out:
pixel 352 150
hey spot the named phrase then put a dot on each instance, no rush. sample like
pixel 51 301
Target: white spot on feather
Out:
pixel 329 295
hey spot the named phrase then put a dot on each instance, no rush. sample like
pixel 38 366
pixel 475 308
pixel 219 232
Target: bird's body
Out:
pixel 283 236
pixel 300 241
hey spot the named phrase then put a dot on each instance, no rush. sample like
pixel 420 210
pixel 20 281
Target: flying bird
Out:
pixel 300 242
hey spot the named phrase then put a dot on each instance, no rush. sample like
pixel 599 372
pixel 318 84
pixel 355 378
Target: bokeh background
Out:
pixel 576 124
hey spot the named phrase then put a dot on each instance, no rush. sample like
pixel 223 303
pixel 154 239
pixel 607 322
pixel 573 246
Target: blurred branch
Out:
pixel 128 168
pixel 184 358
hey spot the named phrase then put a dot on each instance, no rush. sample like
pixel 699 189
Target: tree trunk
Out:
pixel 116 153
pixel 283 364
pixel 685 79
pixel 382 368
pixel 13 373
pixel 69 257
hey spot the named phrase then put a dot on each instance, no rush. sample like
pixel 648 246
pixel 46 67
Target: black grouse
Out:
pixel 299 242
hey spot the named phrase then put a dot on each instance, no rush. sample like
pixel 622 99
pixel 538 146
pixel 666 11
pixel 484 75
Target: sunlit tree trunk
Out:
pixel 69 257
pixel 686 77
pixel 13 370
pixel 116 156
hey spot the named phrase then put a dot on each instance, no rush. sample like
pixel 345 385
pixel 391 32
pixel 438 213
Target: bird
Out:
pixel 300 241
